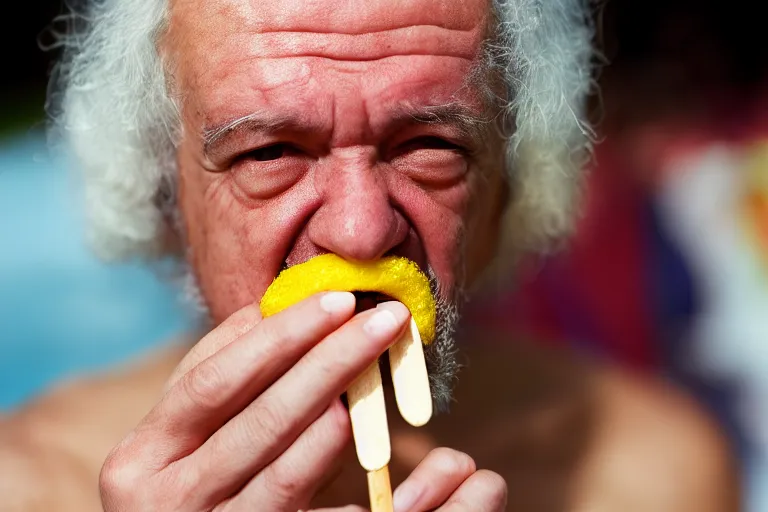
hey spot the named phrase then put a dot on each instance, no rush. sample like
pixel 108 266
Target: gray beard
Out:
pixel 441 354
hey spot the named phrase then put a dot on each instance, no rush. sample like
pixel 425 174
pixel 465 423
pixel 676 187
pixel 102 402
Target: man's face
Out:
pixel 332 126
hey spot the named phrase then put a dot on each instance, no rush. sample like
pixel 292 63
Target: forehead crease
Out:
pixel 341 17
pixel 356 16
pixel 207 35
pixel 412 40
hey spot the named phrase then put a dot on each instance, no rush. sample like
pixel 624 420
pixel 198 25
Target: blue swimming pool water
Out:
pixel 62 312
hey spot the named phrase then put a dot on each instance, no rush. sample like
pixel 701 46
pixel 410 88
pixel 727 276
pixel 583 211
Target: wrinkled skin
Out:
pixel 356 176
pixel 333 159
pixel 304 133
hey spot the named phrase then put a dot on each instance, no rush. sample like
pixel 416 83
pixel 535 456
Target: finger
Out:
pixel 211 393
pixel 273 421
pixel 225 333
pixel 433 481
pixel 348 508
pixel 290 482
pixel 484 491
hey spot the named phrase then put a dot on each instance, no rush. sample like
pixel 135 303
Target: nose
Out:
pixel 356 220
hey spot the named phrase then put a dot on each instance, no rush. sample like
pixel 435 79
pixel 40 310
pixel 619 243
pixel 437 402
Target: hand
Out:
pixel 448 481
pixel 251 419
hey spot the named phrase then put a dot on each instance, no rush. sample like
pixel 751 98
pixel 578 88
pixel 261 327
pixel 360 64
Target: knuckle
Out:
pixel 176 487
pixel 272 339
pixel 265 421
pixel 272 334
pixel 281 483
pixel 127 482
pixel 217 339
pixel 245 319
pixel 454 461
pixel 204 384
pixel 327 367
pixel 119 475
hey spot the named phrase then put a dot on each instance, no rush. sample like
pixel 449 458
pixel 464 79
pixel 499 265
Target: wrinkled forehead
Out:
pixel 320 60
pixel 346 30
pixel 328 16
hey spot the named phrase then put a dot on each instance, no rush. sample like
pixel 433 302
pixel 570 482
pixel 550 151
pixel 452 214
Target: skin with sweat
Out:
pixel 346 127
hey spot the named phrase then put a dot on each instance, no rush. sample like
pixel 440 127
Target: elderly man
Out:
pixel 246 137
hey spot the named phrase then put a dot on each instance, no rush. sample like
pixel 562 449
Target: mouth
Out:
pixel 369 300
pixel 364 302
pixel 374 282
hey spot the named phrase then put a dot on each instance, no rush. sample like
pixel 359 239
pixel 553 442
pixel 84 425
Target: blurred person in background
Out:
pixel 139 86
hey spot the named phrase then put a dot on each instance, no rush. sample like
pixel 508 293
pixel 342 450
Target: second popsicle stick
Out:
pixel 410 378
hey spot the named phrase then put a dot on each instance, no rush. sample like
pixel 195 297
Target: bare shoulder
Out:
pixel 654 449
pixel 36 478
pixel 51 450
pixel 574 435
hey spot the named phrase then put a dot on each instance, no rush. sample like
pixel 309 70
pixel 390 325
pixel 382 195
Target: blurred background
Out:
pixel 61 311
pixel 668 273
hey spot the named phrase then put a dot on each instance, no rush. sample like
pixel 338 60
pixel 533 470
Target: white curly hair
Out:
pixel 109 101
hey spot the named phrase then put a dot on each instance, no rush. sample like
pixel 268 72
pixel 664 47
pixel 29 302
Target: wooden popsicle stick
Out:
pixel 368 413
pixel 380 490
pixel 410 378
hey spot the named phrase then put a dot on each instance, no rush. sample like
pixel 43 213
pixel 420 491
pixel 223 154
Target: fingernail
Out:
pixel 382 323
pixel 334 302
pixel 387 320
pixel 396 308
pixel 404 498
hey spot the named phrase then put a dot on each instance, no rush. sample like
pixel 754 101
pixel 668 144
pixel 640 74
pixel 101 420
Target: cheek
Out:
pixel 438 215
pixel 433 169
pixel 239 239
pixel 237 244
pixel 484 224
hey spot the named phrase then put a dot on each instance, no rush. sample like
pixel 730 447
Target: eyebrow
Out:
pixel 217 135
pixel 464 118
